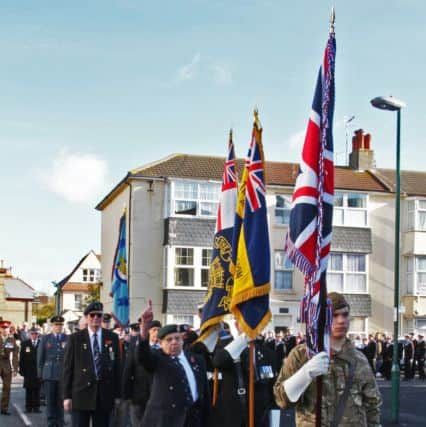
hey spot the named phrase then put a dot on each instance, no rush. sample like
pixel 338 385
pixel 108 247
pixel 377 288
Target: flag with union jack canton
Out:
pixel 308 240
pixel 218 298
pixel 119 286
pixel 250 244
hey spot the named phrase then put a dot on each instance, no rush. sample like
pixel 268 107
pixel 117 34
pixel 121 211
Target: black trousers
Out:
pixel 32 397
pixel 54 403
pixel 99 417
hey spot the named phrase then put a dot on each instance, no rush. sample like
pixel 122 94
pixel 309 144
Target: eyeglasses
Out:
pixel 92 315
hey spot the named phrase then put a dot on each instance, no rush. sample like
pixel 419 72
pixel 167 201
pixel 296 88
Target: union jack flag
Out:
pixel 308 240
pixel 255 185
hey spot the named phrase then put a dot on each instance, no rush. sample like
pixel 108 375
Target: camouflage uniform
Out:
pixel 362 406
pixel 7 346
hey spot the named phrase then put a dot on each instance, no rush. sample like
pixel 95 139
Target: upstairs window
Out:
pixel 347 273
pixel 206 256
pixel 283 272
pixel 350 209
pixel 184 267
pixel 195 198
pixel 282 209
pixel 417 215
pixel 416 275
pixel 91 275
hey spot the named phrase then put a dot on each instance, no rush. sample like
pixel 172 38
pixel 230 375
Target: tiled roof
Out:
pixel 351 239
pixel 16 288
pixel 413 183
pixel 77 287
pixel 189 231
pixel 182 302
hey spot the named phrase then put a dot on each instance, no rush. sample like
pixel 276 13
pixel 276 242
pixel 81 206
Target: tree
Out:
pixel 94 294
pixel 44 312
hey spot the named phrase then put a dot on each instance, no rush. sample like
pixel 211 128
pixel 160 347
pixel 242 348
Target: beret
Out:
pixel 57 319
pixel 168 329
pixel 34 330
pixel 338 301
pixel 134 326
pixel 93 306
pixel 154 324
pixel 106 317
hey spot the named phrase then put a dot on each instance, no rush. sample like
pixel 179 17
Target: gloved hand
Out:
pixel 209 339
pixel 299 382
pixel 236 347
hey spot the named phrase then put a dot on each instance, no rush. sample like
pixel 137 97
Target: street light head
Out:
pixel 387 103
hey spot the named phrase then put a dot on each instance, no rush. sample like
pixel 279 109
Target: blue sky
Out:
pixel 89 90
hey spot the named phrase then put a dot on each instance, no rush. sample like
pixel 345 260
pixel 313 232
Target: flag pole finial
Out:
pixel 332 19
pixel 230 135
pixel 256 118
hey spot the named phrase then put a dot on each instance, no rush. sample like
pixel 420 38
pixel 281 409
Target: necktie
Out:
pixel 187 390
pixel 96 355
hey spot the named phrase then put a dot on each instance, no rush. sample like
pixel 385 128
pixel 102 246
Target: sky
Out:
pixel 92 89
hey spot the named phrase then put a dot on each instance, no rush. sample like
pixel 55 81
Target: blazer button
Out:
pixel 84 369
pixel 171 387
pixel 88 384
pixel 173 405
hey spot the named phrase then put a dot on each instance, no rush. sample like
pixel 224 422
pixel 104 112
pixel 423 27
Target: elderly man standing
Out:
pixel 179 395
pixel 350 394
pixel 91 372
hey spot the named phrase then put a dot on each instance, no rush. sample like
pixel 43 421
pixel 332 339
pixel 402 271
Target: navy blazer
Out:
pixel 166 406
pixel 50 357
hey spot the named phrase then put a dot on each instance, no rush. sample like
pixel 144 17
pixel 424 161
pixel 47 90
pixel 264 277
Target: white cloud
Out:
pixel 297 139
pixel 77 177
pixel 222 74
pixel 188 71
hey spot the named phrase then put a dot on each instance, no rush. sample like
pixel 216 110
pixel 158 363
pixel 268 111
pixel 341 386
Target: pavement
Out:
pixel 412 407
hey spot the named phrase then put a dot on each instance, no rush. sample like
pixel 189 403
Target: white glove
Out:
pixel 236 347
pixel 299 382
pixel 210 339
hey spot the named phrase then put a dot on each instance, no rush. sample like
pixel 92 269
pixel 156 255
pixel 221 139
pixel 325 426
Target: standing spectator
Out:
pixel 8 347
pixel 370 351
pixel 408 357
pixel 23 333
pixel 91 371
pixel 28 369
pixel 419 356
pixel 50 357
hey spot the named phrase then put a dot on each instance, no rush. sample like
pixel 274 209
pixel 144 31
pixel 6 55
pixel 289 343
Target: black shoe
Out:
pixel 28 410
pixel 5 412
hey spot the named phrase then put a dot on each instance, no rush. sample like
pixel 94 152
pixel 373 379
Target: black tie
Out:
pixel 187 389
pixel 96 355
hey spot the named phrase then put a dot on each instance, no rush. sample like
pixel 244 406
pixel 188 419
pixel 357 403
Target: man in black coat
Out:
pixel 179 394
pixel 28 369
pixel 419 356
pixel 91 372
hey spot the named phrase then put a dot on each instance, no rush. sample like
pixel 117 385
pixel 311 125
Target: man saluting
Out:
pixel 179 394
pixel 91 371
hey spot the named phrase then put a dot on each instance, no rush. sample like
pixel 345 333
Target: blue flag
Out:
pixel 119 285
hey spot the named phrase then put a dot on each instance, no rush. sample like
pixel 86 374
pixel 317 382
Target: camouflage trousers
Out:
pixel 6 377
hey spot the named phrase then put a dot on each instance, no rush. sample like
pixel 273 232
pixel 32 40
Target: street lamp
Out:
pixel 391 104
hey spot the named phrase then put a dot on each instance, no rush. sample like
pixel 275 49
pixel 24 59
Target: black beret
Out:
pixel 106 317
pixel 168 329
pixel 154 324
pixel 57 319
pixel 94 306
pixel 134 326
pixel 185 327
pixel 34 330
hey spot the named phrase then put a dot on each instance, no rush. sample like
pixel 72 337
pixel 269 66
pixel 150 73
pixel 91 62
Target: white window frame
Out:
pixel 413 214
pixel 345 210
pixel 205 266
pixel 198 199
pixel 287 198
pixel 90 275
pixel 78 304
pixel 363 333
pixel 345 272
pixel 413 272
pixel 197 266
pixel 184 266
pixel 286 269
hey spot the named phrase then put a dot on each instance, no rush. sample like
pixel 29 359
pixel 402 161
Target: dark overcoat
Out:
pixel 28 364
pixel 50 356
pixel 80 383
pixel 166 406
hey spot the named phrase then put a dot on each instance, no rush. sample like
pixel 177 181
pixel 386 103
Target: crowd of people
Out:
pixel 154 375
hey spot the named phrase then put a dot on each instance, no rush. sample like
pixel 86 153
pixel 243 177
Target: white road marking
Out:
pixel 22 416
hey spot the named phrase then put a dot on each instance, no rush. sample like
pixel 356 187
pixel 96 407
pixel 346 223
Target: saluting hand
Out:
pixel 68 405
pixel 146 317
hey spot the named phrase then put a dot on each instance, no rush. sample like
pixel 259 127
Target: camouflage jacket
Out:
pixel 9 346
pixel 364 400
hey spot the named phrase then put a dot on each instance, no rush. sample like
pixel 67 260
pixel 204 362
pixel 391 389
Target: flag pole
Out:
pixel 251 384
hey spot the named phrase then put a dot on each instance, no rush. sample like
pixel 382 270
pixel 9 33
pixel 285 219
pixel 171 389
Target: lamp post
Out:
pixel 391 104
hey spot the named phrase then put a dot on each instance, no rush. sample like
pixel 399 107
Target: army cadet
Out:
pixel 50 357
pixel 179 395
pixel 350 396
pixel 7 346
pixel 92 371
pixel 28 369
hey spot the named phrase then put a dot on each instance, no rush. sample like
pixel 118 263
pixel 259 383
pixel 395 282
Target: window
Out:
pixel 78 301
pixel 420 324
pixel 184 267
pixel 206 256
pixel 183 319
pixel 417 215
pixel 91 274
pixel 282 209
pixel 195 198
pixel 283 272
pixel 347 273
pixel 358 326
pixel 350 209
pixel 416 275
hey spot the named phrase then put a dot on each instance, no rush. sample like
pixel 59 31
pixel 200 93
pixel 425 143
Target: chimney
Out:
pixel 362 156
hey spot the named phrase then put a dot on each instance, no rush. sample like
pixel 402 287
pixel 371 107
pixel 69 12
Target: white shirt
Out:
pixel 98 337
pixel 189 375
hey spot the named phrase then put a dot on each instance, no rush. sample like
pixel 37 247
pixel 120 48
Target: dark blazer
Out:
pixel 50 356
pixel 80 383
pixel 28 364
pixel 166 406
